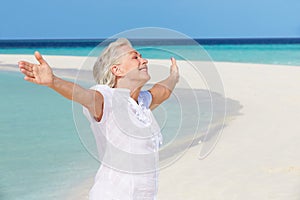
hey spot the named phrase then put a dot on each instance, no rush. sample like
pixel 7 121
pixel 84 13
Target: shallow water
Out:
pixel 42 156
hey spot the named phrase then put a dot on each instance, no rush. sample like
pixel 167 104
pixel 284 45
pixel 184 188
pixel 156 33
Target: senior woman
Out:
pixel 126 132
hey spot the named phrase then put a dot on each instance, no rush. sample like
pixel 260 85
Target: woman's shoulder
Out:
pixel 99 87
pixel 105 90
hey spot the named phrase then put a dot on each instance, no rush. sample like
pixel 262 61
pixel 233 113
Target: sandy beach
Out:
pixel 257 155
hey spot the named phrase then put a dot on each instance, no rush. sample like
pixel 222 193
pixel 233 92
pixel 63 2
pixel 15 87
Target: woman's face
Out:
pixel 133 66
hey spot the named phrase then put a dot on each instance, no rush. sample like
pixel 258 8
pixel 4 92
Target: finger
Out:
pixel 27 73
pixel 24 64
pixel 39 58
pixel 174 64
pixel 26 78
pixel 173 60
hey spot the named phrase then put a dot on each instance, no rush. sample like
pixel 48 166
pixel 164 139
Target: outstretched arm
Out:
pixel 163 89
pixel 42 74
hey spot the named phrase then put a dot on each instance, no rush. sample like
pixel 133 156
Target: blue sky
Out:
pixel 38 19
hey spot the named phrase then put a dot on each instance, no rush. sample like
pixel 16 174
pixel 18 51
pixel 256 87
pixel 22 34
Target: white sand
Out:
pixel 257 156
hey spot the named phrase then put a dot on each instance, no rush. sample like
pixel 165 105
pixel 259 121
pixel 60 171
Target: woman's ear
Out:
pixel 115 69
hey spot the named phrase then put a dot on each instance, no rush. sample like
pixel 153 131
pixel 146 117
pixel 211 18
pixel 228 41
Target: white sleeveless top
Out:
pixel 128 139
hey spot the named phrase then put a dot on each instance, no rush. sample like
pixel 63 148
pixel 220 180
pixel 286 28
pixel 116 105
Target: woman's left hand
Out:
pixel 174 72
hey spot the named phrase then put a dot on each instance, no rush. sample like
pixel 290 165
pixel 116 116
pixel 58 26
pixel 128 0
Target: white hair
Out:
pixel 108 57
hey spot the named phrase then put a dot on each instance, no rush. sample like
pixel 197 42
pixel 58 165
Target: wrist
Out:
pixel 174 77
pixel 53 82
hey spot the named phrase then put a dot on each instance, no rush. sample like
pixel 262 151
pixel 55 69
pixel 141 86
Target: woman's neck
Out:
pixel 134 88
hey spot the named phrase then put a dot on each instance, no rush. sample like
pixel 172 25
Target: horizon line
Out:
pixel 196 38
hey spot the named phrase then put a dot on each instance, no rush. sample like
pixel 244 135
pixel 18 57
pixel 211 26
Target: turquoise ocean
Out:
pixel 41 154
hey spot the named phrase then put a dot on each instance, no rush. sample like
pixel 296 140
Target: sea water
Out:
pixel 41 154
pixel 265 51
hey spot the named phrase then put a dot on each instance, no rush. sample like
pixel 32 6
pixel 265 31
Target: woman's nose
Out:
pixel 144 61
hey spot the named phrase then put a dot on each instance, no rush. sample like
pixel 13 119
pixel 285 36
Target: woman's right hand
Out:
pixel 37 73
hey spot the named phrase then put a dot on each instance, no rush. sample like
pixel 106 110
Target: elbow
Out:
pixel 96 112
pixel 95 106
pixel 166 93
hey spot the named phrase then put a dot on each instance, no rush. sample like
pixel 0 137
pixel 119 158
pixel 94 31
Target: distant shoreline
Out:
pixel 277 51
pixel 191 41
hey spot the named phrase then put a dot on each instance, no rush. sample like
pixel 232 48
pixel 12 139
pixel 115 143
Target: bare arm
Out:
pixel 42 74
pixel 163 89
